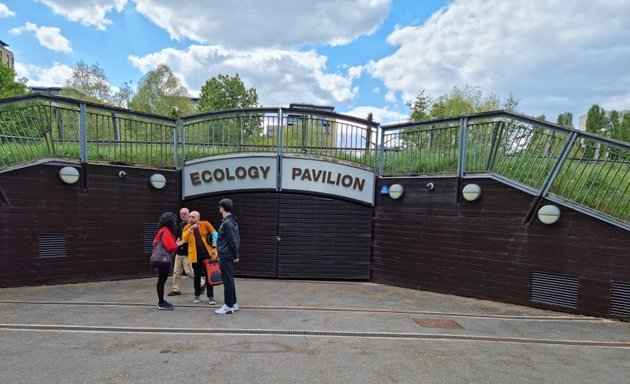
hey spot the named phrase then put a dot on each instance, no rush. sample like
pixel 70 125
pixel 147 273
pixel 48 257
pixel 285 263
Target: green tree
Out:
pixel 420 107
pixel 9 86
pixel 615 124
pixel 624 128
pixel 596 120
pixel 226 92
pixel 123 96
pixel 565 119
pixel 368 133
pixel 598 123
pixel 463 101
pixel 511 103
pixel 88 83
pixel 161 92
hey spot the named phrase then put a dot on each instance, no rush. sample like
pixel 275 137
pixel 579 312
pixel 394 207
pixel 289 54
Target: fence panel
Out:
pixel 596 177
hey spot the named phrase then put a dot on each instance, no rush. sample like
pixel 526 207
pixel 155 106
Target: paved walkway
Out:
pixel 297 332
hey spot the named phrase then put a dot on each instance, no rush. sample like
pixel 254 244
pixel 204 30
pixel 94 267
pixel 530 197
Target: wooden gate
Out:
pixel 297 236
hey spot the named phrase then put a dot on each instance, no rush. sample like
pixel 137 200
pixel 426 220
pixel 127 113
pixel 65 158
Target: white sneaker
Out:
pixel 196 300
pixel 224 310
pixel 235 307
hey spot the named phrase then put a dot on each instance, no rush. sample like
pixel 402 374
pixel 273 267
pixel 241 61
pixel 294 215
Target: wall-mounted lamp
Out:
pixel 549 214
pixel 158 181
pixel 471 192
pixel 69 175
pixel 429 186
pixel 122 174
pixel 384 190
pixel 396 191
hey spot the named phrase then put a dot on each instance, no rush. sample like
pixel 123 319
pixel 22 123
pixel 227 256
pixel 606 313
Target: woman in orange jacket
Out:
pixel 195 233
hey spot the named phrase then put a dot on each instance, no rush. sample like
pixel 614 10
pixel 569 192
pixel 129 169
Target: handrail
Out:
pixel 539 157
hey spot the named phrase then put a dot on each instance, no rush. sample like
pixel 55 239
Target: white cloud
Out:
pixel 54 76
pixel 380 115
pixel 390 96
pixel 5 11
pixel 87 12
pixel 274 23
pixel 49 37
pixel 280 77
pixel 576 53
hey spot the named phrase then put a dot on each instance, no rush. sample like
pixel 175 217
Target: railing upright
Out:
pixel 83 133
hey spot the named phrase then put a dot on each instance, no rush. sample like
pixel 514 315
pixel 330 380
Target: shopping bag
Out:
pixel 213 272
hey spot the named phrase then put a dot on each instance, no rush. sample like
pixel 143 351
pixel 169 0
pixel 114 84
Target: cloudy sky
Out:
pixel 357 55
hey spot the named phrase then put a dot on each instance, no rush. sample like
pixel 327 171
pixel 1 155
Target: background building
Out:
pixel 6 56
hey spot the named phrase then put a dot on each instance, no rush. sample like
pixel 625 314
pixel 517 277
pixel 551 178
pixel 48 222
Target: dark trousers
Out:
pixel 227 275
pixel 200 270
pixel 163 271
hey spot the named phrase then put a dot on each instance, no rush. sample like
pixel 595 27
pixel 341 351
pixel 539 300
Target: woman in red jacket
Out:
pixel 166 231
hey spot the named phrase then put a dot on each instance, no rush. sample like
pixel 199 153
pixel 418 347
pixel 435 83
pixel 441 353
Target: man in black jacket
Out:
pixel 228 243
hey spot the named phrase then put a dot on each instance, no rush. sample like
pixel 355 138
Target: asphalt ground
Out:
pixel 290 331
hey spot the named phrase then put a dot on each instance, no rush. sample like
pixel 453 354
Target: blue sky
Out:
pixel 358 55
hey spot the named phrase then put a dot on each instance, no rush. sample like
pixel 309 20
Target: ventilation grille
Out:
pixel 620 299
pixel 150 229
pixel 51 246
pixel 553 289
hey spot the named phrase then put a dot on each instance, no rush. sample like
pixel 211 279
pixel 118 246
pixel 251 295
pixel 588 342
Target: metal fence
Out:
pixel 285 131
pixel 37 127
pixel 585 171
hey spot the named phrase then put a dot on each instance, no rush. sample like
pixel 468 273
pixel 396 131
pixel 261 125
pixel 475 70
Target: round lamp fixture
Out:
pixel 69 175
pixel 158 181
pixel 548 214
pixel 471 192
pixel 396 191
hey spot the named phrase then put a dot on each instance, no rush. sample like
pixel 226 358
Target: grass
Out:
pixel 600 185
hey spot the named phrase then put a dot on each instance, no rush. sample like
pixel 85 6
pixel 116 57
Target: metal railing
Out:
pixel 37 126
pixel 285 131
pixel 587 172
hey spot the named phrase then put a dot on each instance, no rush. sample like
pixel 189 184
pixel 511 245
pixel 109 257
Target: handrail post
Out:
pixel 381 157
pixel 551 177
pixel 182 132
pixel 82 133
pixel 555 169
pixel 279 148
pixel 463 139
pixel 461 163
pixel 175 143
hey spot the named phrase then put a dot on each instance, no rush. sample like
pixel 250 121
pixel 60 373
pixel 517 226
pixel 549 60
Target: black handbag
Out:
pixel 159 255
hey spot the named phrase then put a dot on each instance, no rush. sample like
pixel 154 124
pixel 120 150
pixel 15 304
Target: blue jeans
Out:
pixel 227 275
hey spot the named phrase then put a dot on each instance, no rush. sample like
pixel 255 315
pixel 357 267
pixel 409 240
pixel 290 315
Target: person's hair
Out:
pixel 168 220
pixel 226 204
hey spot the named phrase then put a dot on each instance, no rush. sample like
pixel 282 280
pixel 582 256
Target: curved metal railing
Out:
pixel 587 172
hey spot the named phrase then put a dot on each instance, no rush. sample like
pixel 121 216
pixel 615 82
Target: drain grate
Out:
pixel 432 323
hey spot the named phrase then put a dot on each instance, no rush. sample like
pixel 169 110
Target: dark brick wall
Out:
pixel 101 218
pixel 483 249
